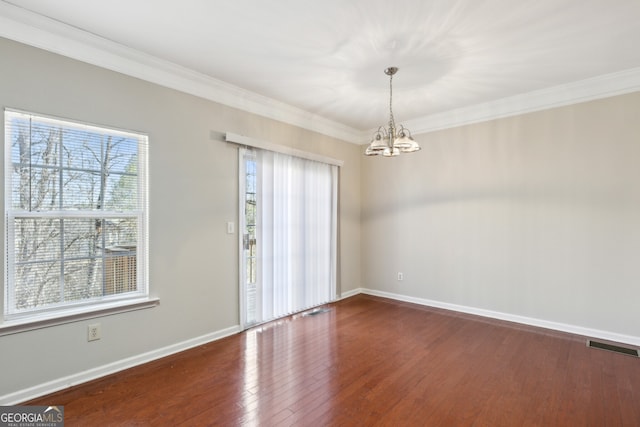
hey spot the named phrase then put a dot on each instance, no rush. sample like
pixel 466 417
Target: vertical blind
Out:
pixel 296 233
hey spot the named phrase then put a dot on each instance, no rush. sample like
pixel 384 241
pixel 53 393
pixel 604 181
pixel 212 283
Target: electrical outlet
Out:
pixel 400 277
pixel 93 332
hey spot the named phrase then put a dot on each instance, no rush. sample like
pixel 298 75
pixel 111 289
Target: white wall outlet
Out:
pixel 231 227
pixel 93 332
pixel 400 277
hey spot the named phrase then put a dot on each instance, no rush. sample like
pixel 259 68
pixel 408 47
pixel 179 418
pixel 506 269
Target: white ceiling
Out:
pixel 327 57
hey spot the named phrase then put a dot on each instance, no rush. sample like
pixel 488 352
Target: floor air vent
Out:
pixel 611 347
pixel 316 311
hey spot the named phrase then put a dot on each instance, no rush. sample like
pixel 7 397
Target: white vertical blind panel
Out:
pixel 297 233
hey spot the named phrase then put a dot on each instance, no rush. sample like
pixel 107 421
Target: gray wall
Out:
pixel 536 216
pixel 193 193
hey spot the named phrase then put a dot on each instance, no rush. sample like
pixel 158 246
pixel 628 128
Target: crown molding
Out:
pixel 45 33
pixel 26 27
pixel 604 86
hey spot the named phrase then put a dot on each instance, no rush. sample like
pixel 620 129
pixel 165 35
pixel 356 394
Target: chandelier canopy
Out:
pixel 391 141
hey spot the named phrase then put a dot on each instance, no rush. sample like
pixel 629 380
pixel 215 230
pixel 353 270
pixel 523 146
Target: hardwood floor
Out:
pixel 371 361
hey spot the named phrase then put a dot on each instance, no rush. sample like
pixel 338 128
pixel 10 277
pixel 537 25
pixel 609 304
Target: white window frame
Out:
pixel 18 320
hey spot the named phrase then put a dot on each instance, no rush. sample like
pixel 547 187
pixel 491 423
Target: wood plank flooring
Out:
pixel 371 362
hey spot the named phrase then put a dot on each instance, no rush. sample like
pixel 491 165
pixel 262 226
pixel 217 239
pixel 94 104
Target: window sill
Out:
pixel 75 315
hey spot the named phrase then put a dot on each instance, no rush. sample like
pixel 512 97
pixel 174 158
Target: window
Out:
pixel 76 215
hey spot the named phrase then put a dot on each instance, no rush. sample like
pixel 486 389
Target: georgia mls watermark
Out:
pixel 31 416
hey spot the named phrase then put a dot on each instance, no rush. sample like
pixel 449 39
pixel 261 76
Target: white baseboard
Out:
pixel 351 293
pixel 111 368
pixel 577 330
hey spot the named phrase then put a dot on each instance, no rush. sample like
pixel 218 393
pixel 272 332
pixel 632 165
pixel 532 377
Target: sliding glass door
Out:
pixel 248 253
pixel 288 219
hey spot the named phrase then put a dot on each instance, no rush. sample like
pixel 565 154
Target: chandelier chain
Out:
pixel 392 122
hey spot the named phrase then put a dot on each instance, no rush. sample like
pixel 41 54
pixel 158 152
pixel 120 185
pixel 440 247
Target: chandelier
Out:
pixel 391 141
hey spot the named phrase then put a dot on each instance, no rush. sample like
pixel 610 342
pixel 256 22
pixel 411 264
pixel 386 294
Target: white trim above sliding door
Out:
pixel 283 149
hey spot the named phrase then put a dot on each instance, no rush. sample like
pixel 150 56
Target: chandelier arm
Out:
pixel 403 131
pixel 382 131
